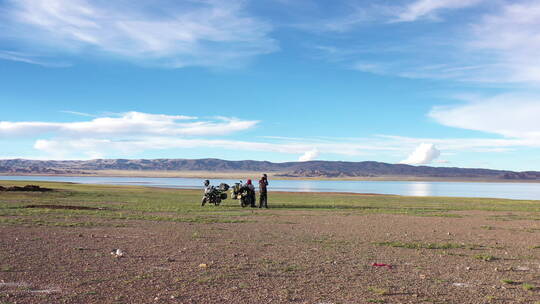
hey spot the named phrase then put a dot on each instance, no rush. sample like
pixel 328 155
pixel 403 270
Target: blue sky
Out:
pixel 438 82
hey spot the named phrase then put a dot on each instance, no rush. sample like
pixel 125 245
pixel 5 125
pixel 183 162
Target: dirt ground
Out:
pixel 277 256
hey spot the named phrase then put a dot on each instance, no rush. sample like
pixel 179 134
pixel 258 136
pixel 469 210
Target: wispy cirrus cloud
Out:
pixel 78 113
pixel 161 33
pixel 495 46
pixel 429 9
pixel 31 59
pixel 511 39
pixel 354 15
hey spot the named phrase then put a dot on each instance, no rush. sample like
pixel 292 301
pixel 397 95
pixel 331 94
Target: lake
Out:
pixel 527 191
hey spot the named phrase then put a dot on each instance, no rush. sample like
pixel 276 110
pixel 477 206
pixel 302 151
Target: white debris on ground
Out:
pixel 117 253
pixel 461 285
pixel 25 287
pixel 48 290
pixel 13 284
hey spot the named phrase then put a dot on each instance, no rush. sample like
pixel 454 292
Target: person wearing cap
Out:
pixel 263 194
pixel 251 189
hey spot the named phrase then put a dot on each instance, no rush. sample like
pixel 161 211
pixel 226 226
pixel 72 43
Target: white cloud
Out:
pixel 508 115
pixel 128 124
pixel 424 154
pixel 83 147
pixel 389 146
pixel 171 34
pixel 137 145
pixel 477 144
pixel 309 155
pixel 133 134
pixel 429 8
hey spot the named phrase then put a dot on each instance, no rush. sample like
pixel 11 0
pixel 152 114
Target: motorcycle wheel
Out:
pixel 203 201
pixel 243 203
pixel 217 201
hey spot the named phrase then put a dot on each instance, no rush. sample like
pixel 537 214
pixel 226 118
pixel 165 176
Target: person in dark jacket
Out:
pixel 263 194
pixel 251 189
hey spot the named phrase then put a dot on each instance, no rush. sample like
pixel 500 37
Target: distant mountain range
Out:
pixel 312 169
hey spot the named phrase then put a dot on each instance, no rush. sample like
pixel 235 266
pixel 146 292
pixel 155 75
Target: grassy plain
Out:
pixel 307 248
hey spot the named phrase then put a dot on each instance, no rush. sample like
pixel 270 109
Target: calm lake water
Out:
pixel 529 191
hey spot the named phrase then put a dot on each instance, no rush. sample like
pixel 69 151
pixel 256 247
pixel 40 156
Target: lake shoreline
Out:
pixel 516 191
pixel 271 175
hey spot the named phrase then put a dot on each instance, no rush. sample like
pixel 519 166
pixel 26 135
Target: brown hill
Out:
pixel 288 169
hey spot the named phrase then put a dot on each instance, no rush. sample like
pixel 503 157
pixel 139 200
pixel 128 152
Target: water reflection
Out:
pixel 304 186
pixel 420 189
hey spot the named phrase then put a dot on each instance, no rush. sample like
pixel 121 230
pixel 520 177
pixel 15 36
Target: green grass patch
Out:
pixel 6 268
pixel 485 257
pixel 379 291
pixel 529 287
pixel 508 281
pixel 138 198
pixel 291 268
pixel 137 203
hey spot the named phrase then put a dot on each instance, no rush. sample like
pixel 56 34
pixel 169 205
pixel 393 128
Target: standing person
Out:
pixel 251 189
pixel 263 194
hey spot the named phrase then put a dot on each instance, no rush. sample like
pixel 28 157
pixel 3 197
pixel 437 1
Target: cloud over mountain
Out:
pixel 309 155
pixel 424 154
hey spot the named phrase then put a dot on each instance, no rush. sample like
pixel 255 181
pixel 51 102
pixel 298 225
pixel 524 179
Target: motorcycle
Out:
pixel 214 195
pixel 242 193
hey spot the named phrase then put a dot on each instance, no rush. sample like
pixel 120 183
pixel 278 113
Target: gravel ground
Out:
pixel 282 256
